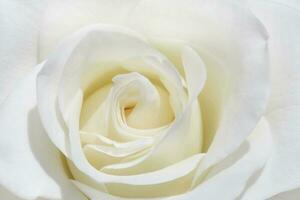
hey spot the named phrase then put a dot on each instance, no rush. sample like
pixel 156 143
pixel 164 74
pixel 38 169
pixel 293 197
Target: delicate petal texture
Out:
pixel 281 173
pixel 39 26
pixel 145 184
pixel 94 194
pixel 289 195
pixel 290 3
pixel 30 166
pixel 98 195
pixel 19 23
pixel 5 194
pixel 235 170
pixel 61 18
pixel 195 72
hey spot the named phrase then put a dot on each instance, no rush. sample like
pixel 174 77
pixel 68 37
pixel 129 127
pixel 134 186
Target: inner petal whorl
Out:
pixel 143 105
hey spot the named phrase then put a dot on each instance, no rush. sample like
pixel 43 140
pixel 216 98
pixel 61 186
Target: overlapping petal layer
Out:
pixel 26 152
pixel 281 172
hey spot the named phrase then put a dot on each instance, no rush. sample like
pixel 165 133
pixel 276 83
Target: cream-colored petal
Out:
pixel 230 177
pixel 176 175
pixel 195 71
pixel 94 194
pixel 290 195
pixel 184 137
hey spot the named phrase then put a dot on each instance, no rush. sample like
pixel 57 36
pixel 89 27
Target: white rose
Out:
pixel 158 99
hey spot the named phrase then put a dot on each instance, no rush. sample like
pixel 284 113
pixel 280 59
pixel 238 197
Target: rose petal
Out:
pixel 5 194
pixel 61 18
pixel 195 71
pixel 281 172
pixel 290 3
pixel 30 166
pixel 289 195
pixel 237 169
pixel 94 194
pixel 19 23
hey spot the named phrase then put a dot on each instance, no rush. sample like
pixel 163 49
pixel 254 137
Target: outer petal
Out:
pixel 30 166
pixel 235 171
pixel 289 3
pixel 7 195
pixel 18 41
pixel 61 18
pixel 282 170
pixel 31 29
pixel 289 195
